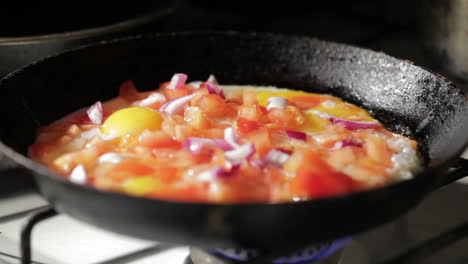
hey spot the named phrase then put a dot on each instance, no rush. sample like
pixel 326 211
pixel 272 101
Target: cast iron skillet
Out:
pixel 404 97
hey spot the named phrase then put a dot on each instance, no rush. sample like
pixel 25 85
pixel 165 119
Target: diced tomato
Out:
pixel 307 101
pixel 128 91
pixel 168 126
pixel 214 132
pixel 246 186
pixel 289 118
pixel 316 179
pixel 158 139
pixel 130 168
pixel 230 111
pixel 211 104
pixel 175 93
pixel 167 175
pixel 185 193
pixel 195 116
pixel 263 109
pixel 182 132
pixel 377 149
pixel 262 139
pixel 245 126
pixel 250 112
pixel 249 98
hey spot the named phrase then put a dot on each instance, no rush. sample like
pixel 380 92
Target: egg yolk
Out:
pixel 314 123
pixel 140 185
pixel 131 120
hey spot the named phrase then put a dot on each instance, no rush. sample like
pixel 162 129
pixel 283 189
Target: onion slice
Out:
pixel 96 113
pixel 276 157
pixel 196 144
pixel 176 105
pixel 343 144
pixel 231 137
pixel 217 172
pixel 241 153
pixel 151 99
pixel 223 144
pixel 277 102
pixel 215 89
pixel 351 124
pixel 97 132
pixel 111 157
pixel 177 81
pixel 212 79
pixel 299 135
pixel 79 175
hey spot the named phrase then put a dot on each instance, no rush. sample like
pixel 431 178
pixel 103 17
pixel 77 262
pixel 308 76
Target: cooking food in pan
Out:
pixel 405 98
pixel 201 141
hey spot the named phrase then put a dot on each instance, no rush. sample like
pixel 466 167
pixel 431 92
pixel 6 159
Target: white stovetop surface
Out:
pixel 61 239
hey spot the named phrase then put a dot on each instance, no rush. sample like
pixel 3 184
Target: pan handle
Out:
pixel 457 172
pixel 6 163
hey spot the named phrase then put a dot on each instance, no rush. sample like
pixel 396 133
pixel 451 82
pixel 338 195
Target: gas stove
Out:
pixel 63 240
pixel 433 232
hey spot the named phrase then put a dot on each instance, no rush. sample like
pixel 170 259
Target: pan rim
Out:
pixel 38 168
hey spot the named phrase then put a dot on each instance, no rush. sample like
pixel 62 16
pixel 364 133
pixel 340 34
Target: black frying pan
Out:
pixel 406 98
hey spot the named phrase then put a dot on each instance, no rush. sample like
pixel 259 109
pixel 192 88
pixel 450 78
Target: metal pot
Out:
pixel 444 25
pixel 29 38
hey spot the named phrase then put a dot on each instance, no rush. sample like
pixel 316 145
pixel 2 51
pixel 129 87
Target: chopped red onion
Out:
pixel 89 133
pixel 212 80
pixel 277 102
pixel 297 135
pixel 110 157
pixel 258 163
pixel 217 172
pixel 325 116
pixel 95 113
pixel 176 105
pixel 79 175
pixel 350 124
pixel 96 131
pixel 151 99
pixel 243 152
pixel 276 157
pixel 231 137
pixel 107 137
pixel 177 81
pixel 196 144
pixel 215 89
pixel 344 143
pixel 223 144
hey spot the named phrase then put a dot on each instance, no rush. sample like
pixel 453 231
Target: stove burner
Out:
pixel 323 253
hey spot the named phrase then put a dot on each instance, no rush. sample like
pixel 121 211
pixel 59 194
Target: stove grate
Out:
pixel 411 255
